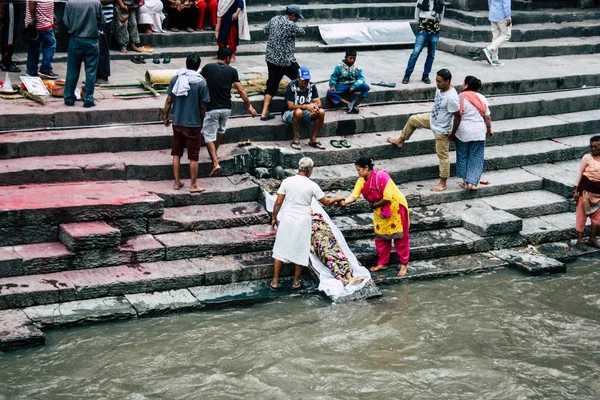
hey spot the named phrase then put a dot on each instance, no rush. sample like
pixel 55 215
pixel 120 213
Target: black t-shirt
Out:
pixel 294 94
pixel 219 78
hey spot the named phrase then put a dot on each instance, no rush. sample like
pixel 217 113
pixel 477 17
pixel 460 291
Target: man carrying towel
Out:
pixel 187 96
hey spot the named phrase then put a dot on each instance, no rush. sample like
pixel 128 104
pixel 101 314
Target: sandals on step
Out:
pixel 336 144
pixel 156 59
pixel 166 60
pixel 317 145
pixel 296 146
pixel 344 143
pixel 11 68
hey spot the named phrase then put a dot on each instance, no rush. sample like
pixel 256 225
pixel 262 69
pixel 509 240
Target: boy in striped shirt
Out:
pixel 40 15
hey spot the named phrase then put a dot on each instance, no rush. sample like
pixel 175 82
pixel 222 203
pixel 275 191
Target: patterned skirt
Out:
pixel 325 246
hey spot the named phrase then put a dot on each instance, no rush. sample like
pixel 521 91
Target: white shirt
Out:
pixel 472 125
pixel 442 115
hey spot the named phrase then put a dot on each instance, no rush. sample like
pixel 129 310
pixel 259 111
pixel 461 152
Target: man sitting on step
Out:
pixel 443 119
pixel 187 96
pixel 304 106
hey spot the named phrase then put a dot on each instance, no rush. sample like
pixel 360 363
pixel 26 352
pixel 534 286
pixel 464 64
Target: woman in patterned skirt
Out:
pixel 390 213
pixel 475 122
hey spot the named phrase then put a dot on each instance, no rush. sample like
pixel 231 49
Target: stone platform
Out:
pixel 91 229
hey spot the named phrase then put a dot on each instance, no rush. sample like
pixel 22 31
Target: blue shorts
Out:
pixel 288 117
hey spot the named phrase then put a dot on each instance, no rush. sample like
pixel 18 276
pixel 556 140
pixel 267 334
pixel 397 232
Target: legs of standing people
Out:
pixel 432 42
pixel 475 162
pixel 420 41
pixel 192 143
pixel 383 254
pixel 176 165
pixel 442 146
pixel 275 75
pixel 501 33
pixel 277 266
pixel 580 221
pixel 90 59
pixel 104 58
pixel 74 59
pixel 121 34
pixel 402 246
pixel 7 46
pixel 462 155
pixel 132 30
pixel 48 49
pixel 33 57
pixel 213 131
pixel 414 122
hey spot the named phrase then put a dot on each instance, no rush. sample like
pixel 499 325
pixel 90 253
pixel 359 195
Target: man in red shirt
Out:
pixel 39 15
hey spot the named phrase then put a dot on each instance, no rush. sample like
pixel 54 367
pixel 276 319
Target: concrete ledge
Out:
pixel 531 263
pixel 161 302
pixel 88 235
pixel 80 312
pixel 16 330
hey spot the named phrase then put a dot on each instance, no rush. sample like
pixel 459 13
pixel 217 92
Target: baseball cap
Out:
pixel 304 73
pixel 294 9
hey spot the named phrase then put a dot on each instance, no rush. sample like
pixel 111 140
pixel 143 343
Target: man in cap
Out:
pixel 304 105
pixel 281 46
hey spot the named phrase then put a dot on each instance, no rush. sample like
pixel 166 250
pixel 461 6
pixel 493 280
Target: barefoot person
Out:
pixel 474 123
pixel 293 241
pixel 220 76
pixel 187 97
pixel 390 213
pixel 587 194
pixel 441 120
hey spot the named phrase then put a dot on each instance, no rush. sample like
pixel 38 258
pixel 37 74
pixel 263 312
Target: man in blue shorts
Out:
pixel 304 106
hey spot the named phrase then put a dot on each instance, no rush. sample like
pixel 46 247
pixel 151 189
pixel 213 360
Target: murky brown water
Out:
pixel 498 335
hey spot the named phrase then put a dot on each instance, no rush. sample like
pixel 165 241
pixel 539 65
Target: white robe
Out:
pixel 151 14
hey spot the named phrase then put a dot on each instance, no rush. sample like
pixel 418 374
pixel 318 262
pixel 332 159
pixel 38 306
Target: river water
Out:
pixel 500 335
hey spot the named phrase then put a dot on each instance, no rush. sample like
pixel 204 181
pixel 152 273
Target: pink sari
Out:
pixel 374 187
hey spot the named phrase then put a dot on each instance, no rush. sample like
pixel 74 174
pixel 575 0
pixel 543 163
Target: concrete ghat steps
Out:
pixel 406 169
pixel 156 137
pixel 156 165
pixel 150 109
pixel 544 47
pixel 31 213
pixel 526 17
pixel 180 272
pixel 522 32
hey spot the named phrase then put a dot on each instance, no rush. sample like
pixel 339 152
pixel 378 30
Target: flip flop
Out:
pixel 267 118
pixel 297 287
pixel 344 143
pixel 336 144
pixel 166 60
pixel 295 145
pixel 384 84
pixel 274 288
pixel 135 60
pixel 317 145
pixel 156 59
pixel 178 187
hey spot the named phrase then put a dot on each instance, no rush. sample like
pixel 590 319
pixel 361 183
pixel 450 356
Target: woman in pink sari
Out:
pixel 390 213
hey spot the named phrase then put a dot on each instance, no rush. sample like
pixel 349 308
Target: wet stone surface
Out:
pixel 160 302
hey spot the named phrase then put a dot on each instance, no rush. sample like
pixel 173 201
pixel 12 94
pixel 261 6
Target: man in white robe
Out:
pixel 292 244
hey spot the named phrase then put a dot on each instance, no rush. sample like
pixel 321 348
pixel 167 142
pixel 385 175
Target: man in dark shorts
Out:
pixel 219 78
pixel 281 46
pixel 187 96
pixel 304 106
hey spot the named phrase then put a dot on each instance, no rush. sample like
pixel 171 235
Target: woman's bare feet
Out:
pixel 196 189
pixel 215 171
pixel 177 185
pixel 398 141
pixel 135 48
pixel 403 269
pixel 378 268
pixel 439 188
pixel 464 185
pixel 123 50
pixel 593 243
pixel 473 187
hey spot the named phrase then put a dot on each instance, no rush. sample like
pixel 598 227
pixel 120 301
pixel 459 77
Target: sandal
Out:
pixel 344 143
pixel 11 68
pixel 296 287
pixel 135 60
pixel 317 145
pixel 156 59
pixel 274 288
pixel 295 145
pixel 166 60
pixel 267 118
pixel 336 144
pixel 384 84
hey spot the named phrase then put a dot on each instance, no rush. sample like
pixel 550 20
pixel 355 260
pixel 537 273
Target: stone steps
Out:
pixel 545 47
pixel 526 17
pixel 531 204
pixel 522 32
pixel 184 267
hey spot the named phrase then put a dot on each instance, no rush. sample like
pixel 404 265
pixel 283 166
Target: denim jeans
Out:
pixel 81 50
pixel 431 39
pixel 46 46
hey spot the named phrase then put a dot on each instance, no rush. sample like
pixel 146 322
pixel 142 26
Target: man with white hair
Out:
pixel 292 244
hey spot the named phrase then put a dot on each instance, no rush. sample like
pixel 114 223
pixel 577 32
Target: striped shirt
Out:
pixel 108 11
pixel 44 15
